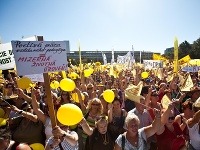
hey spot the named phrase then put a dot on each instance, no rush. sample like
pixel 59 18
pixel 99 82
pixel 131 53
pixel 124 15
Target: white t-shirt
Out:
pixel 194 136
pixel 142 144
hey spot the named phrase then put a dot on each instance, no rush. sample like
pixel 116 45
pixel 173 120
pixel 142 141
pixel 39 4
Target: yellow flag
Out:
pixel 158 57
pixel 165 101
pixel 80 60
pixel 111 72
pixel 185 59
pixel 133 92
pixel 175 55
pixel 188 84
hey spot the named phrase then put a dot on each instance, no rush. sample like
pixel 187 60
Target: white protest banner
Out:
pixel 191 69
pixel 149 64
pixel 36 77
pixel 36 57
pixel 7 60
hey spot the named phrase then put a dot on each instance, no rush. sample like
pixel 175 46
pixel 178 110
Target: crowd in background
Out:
pixel 120 125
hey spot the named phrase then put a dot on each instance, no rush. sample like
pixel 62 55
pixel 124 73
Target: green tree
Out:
pixel 184 49
pixel 195 53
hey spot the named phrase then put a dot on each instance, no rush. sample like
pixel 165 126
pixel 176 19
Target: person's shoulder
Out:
pixel 132 111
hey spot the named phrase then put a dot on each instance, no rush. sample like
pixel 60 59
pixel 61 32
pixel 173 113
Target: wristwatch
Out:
pixel 20 112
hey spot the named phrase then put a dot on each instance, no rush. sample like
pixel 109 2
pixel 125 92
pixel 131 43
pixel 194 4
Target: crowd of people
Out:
pixel 124 124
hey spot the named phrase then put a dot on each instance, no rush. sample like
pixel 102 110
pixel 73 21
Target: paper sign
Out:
pixel 7 60
pixel 191 69
pixel 149 64
pixel 36 77
pixel 36 57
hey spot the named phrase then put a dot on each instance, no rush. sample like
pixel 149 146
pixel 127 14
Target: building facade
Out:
pixel 93 56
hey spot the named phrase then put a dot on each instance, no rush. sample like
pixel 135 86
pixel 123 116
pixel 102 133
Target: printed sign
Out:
pixel 36 57
pixel 36 77
pixel 7 60
pixel 149 64
pixel 191 69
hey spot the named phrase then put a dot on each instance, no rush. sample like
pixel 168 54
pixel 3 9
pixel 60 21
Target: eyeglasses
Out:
pixel 95 104
pixel 171 118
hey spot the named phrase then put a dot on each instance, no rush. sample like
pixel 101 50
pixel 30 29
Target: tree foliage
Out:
pixel 185 48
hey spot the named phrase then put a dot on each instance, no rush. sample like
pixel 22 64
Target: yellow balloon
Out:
pixel 87 73
pixel 145 75
pixel 2 122
pixel 24 83
pixel 2 113
pixel 67 85
pixel 108 96
pixel 54 84
pixel 69 114
pixel 91 70
pixel 37 146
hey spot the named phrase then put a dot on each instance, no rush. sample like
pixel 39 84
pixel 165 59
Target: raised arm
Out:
pixel 110 113
pixel 27 115
pixel 164 118
pixel 154 127
pixel 86 128
pixel 41 116
pixel 196 119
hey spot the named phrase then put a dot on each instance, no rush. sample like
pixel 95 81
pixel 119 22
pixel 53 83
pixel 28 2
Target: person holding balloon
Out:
pixel 93 111
pixel 116 117
pixel 42 116
pixel 99 137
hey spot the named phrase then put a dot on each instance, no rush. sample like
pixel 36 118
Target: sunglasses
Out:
pixel 154 95
pixel 171 118
pixel 95 104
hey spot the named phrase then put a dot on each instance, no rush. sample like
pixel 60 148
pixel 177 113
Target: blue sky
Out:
pixel 103 25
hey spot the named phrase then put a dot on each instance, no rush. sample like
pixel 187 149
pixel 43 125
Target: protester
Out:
pixel 183 117
pixel 170 132
pixel 116 117
pixel 100 137
pixel 135 137
pixel 194 128
pixel 62 139
pixel 26 128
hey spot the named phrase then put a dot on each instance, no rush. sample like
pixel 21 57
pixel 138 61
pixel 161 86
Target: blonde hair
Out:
pixel 89 106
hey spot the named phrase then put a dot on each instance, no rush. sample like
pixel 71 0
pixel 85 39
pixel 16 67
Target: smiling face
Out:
pixel 133 127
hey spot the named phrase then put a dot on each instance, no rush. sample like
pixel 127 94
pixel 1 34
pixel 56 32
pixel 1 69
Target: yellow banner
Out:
pixel 175 55
pixel 158 57
pixel 185 59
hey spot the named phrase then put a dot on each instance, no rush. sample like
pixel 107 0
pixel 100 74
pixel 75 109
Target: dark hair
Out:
pixel 117 99
pixel 187 104
pixel 144 90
